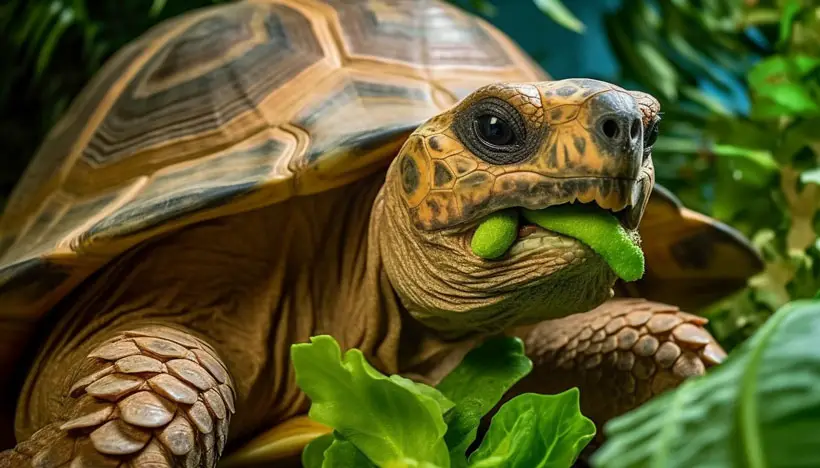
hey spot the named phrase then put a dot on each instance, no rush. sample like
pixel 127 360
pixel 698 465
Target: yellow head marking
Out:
pixel 530 145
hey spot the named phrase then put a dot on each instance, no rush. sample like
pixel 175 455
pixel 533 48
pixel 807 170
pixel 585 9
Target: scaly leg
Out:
pixel 619 355
pixel 153 396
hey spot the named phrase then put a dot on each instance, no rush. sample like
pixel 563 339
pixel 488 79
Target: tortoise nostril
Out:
pixel 610 128
pixel 635 129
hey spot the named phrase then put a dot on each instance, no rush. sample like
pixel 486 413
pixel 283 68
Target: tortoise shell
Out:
pixel 238 106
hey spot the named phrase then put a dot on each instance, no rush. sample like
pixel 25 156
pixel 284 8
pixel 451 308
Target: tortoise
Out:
pixel 248 175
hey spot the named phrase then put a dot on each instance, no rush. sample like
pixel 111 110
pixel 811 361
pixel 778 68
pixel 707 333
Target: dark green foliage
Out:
pixel 755 168
pixel 760 408
pixel 392 422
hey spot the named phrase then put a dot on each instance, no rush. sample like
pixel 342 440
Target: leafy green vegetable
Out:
pixel 420 389
pixel 528 431
pixel 342 453
pixel 535 431
pixel 384 419
pixel 496 233
pixel 760 408
pixel 314 452
pixel 476 386
pixel 599 230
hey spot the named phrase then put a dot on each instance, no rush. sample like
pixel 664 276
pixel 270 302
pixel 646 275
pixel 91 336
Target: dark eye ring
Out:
pixel 494 130
pixel 650 136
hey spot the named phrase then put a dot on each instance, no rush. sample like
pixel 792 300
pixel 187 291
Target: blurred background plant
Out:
pixel 751 161
pixel 739 83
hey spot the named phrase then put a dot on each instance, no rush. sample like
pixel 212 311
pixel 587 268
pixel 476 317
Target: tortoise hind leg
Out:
pixel 153 396
pixel 619 355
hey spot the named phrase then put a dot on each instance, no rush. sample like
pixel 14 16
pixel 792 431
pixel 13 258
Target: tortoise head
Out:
pixel 527 145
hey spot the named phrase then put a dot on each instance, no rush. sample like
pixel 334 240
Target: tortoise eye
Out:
pixel 494 130
pixel 650 136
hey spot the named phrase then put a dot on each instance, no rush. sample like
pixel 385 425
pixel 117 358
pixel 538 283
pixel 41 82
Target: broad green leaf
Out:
pixel 790 11
pixel 559 13
pixel 811 176
pixel 65 20
pixel 343 454
pixel 793 99
pixel 476 386
pixel 384 419
pixel 660 67
pixel 779 69
pixel 749 166
pixel 535 431
pixel 779 80
pixel 761 158
pixel 760 408
pixel 421 389
pixel 314 453
pixel 336 452
pixel 761 16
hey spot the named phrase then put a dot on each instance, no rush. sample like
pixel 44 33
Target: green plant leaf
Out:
pixel 559 13
pixel 793 99
pixel 659 66
pixel 811 176
pixel 476 386
pixel 314 453
pixel 790 11
pixel 343 454
pixel 65 20
pixel 384 419
pixel 421 389
pixel 780 81
pixel 535 431
pixel 760 408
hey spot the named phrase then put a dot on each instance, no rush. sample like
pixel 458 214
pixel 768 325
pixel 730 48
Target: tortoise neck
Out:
pixel 404 345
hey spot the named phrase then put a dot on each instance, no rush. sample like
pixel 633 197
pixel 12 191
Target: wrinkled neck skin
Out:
pixel 445 287
pixel 398 343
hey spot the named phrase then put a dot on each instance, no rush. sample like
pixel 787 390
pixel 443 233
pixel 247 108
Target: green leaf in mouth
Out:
pixel 596 228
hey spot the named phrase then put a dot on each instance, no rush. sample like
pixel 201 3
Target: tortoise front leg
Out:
pixel 619 355
pixel 153 396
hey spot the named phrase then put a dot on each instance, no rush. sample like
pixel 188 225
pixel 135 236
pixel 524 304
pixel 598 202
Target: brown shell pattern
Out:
pixel 226 109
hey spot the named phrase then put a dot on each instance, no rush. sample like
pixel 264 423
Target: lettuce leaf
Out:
pixel 476 386
pixel 388 421
pixel 393 422
pixel 760 408
pixel 535 431
pixel 314 453
pixel 342 453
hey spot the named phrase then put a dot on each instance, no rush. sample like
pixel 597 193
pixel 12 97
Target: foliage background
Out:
pixel 739 83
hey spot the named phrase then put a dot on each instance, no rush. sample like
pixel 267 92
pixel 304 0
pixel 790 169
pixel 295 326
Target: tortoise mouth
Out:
pixel 526 228
pixel 511 231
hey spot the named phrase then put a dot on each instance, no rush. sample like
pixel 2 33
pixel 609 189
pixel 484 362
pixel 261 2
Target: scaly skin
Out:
pixel 155 393
pixel 620 354
pixel 152 355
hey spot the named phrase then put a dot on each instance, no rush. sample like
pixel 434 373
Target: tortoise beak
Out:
pixel 637 205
